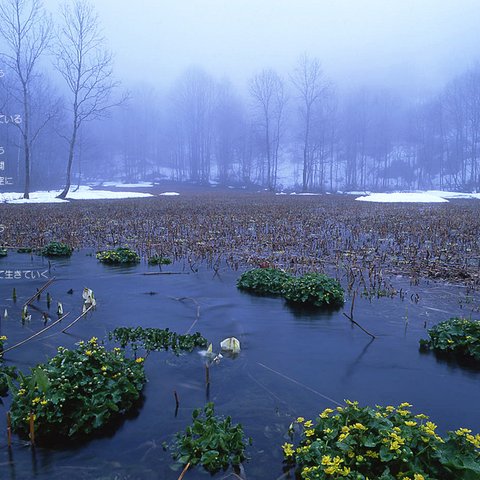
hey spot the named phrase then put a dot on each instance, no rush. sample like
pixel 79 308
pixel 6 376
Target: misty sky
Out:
pixel 410 44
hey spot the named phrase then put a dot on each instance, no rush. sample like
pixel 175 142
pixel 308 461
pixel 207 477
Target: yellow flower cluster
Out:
pixel 333 465
pixel 288 450
pixel 473 439
pixel 140 360
pixel 307 471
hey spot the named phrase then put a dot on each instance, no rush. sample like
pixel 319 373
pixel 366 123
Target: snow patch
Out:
pixel 170 194
pixel 402 197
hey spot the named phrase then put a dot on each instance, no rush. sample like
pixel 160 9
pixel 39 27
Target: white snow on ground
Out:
pixel 84 193
pixel 127 185
pixel 442 194
pixel 170 194
pixel 402 197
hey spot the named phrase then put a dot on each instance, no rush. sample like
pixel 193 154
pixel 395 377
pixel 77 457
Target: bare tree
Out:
pixel 26 29
pixel 86 66
pixel 266 89
pixel 308 80
pixel 194 100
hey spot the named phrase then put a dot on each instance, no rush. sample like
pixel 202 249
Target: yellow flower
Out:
pixel 3 338
pixel 140 360
pixel 36 400
pixel 308 423
pixel 288 449
pixel 93 340
pixel 43 402
pixel 88 352
pixel 359 426
pixel 21 392
pixel 326 413
pixel 410 423
pixel 418 476
pixel 309 433
pixel 104 368
pixel 300 419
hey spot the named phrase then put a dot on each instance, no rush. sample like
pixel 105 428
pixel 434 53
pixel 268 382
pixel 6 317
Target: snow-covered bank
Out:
pixel 83 193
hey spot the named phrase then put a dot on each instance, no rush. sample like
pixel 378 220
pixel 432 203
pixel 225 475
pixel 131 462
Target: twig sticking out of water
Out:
pixel 32 429
pixel 177 402
pixel 34 335
pixel 38 292
pixel 350 317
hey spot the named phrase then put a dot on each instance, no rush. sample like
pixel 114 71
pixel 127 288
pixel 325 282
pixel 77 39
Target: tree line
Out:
pixel 291 129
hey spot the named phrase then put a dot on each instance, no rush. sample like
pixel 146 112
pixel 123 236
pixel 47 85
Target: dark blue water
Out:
pixel 292 363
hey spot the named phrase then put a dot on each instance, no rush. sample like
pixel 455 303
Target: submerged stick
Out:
pixel 197 312
pixel 177 403
pixel 300 384
pixel 77 319
pixel 9 429
pixel 359 326
pixel 38 292
pixel 34 335
pixel 184 471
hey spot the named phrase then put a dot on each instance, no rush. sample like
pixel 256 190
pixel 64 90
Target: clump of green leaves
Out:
pixel 156 339
pixel 119 255
pixel 457 336
pixel 211 441
pixel 57 249
pixel 314 289
pixel 3 252
pixel 387 443
pixel 159 260
pixel 77 391
pixel 6 373
pixel 264 281
pixel 24 250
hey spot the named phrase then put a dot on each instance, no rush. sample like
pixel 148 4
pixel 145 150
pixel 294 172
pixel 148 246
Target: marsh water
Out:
pixel 292 362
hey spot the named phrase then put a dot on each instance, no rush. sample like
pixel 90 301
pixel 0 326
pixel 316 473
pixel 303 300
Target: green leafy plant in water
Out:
pixel 57 249
pixel 159 260
pixel 314 289
pixel 24 250
pixel 386 443
pixel 156 339
pixel 457 336
pixel 211 441
pixel 264 281
pixel 119 255
pixel 3 252
pixel 77 391
pixel 7 374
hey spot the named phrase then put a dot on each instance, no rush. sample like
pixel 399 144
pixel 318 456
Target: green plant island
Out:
pixel 211 441
pixel 381 443
pixel 311 289
pixel 457 336
pixel 56 249
pixel 120 255
pixel 156 339
pixel 76 392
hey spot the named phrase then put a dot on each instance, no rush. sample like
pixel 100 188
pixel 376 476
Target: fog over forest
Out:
pixel 309 95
